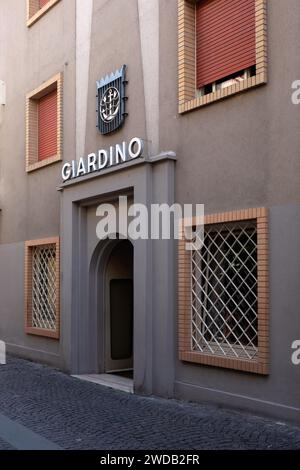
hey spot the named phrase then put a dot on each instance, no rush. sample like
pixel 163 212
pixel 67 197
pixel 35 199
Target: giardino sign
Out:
pixel 103 159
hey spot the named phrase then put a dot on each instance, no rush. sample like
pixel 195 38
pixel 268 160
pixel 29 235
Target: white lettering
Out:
pixel 111 156
pixel 123 210
pixel 66 171
pixel 91 162
pixel 164 211
pixel 73 169
pixel 107 226
pixel 81 168
pixel 102 159
pixel 138 227
pixel 193 232
pixel 135 147
pixel 296 95
pixel 165 223
pixel 121 152
pixel 296 354
pixel 2 353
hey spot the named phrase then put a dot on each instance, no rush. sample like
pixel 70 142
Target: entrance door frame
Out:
pixel 98 301
pixel 98 297
pixel 150 181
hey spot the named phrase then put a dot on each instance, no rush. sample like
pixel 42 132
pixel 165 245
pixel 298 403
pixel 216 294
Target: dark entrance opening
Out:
pixel 119 310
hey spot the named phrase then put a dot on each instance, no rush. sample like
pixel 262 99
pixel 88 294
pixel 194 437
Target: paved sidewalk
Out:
pixel 69 413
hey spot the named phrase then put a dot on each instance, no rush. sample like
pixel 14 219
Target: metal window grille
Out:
pixel 44 291
pixel 224 291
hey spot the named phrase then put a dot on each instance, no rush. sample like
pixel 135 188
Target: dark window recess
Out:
pixel 224 291
pixel 232 288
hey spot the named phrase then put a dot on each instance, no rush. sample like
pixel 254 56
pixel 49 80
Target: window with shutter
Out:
pixel 47 126
pixel 225 38
pixel 221 49
pixel 37 8
pixel 44 124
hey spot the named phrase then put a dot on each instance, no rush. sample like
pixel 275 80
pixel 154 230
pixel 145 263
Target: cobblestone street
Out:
pixel 59 411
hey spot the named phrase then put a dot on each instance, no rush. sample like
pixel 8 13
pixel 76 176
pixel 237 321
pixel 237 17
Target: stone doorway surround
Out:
pixel 147 180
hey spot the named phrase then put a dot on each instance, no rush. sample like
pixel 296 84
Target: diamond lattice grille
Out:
pixel 224 291
pixel 44 287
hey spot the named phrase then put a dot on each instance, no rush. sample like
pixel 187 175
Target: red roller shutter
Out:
pixel 225 38
pixel 47 126
pixel 43 2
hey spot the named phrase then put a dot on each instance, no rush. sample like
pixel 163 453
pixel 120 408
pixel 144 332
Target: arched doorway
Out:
pixel 118 309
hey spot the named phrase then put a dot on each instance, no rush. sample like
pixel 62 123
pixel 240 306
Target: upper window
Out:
pixel 225 40
pixel 37 8
pixel 222 49
pixel 47 126
pixel 44 124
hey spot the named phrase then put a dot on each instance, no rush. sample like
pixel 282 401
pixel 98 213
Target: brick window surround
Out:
pixel 257 218
pixel 37 8
pixel 33 160
pixel 42 287
pixel 188 98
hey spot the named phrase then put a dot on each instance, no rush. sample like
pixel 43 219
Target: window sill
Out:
pixel 43 163
pixel 41 12
pixel 210 98
pixel 41 332
pixel 257 367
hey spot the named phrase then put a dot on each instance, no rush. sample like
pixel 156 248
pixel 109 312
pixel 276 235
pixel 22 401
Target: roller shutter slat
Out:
pixel 47 126
pixel 225 38
pixel 43 2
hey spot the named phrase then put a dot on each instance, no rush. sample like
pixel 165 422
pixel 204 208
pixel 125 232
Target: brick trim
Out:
pixel 187 99
pixel 32 162
pixel 34 12
pixel 29 329
pixel 259 366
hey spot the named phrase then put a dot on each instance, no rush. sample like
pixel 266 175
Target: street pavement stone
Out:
pixel 80 415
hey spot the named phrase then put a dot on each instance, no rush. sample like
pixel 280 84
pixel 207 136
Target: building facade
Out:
pixel 199 92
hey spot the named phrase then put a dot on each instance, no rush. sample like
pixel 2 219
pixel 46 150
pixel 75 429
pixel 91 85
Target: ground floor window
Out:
pixel 42 287
pixel 223 293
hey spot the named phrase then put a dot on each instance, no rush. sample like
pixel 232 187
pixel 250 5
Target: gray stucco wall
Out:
pixel 30 203
pixel 30 56
pixel 12 310
pixel 278 393
pixel 111 47
pixel 242 151
pixel 238 153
